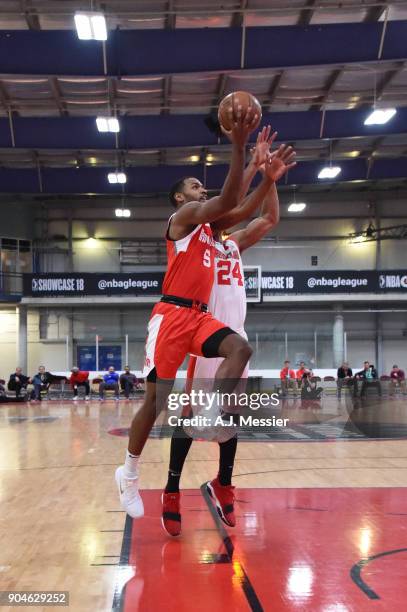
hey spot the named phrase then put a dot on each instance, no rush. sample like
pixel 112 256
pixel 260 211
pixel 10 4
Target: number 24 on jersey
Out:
pixel 228 269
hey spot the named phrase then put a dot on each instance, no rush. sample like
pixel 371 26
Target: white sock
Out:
pixel 131 465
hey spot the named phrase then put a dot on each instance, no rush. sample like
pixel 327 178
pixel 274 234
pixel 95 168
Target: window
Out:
pixel 15 256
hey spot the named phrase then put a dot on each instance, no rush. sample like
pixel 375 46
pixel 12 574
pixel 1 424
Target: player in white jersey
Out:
pixel 227 300
pixel 228 303
pixel 228 295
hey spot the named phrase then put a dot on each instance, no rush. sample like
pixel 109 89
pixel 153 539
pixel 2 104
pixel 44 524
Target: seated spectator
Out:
pixel 128 381
pixel 110 381
pixel 368 376
pixel 18 382
pixel 4 399
pixel 398 378
pixel 41 381
pixel 300 372
pixel 288 379
pixel 309 389
pixel 344 377
pixel 78 379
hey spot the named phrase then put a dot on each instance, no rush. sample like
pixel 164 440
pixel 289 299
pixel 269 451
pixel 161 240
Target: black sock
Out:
pixel 227 452
pixel 180 445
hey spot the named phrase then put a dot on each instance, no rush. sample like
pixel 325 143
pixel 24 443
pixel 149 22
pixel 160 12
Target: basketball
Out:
pixel 242 98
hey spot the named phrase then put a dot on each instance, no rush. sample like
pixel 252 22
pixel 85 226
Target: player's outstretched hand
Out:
pixel 243 124
pixel 279 162
pixel 262 147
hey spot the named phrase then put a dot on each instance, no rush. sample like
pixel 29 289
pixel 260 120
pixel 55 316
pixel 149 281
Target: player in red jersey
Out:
pixel 228 303
pixel 180 323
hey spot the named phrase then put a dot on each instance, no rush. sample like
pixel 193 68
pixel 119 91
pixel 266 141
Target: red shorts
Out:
pixel 173 333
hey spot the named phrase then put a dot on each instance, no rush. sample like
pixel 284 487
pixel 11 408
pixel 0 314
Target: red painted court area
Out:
pixel 316 550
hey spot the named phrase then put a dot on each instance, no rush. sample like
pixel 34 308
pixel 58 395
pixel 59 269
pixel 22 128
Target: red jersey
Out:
pixel 79 377
pixel 190 264
pixel 287 373
pixel 300 373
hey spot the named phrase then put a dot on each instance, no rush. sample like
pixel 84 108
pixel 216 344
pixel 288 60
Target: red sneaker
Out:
pixel 171 516
pixel 224 498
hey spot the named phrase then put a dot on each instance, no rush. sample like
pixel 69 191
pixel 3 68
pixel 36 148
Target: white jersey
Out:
pixel 227 301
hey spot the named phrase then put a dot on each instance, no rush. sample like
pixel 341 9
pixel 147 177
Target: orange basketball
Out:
pixel 242 98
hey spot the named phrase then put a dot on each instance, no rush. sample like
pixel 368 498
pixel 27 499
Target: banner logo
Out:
pixel 336 282
pixel 393 281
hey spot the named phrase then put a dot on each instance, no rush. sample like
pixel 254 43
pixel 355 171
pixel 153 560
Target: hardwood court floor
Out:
pixel 312 549
pixel 61 527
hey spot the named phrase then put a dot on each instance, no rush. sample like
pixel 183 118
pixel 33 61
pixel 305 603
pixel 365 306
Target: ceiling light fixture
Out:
pixel 90 26
pixel 357 239
pixel 368 233
pixel 379 116
pixel 91 243
pixel 122 212
pixel 296 207
pixel 108 124
pixel 329 172
pixel 117 177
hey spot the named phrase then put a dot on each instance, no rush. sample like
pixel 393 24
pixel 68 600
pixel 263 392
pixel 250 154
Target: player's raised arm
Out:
pixel 247 207
pixel 275 167
pixel 283 162
pixel 194 213
pixel 258 158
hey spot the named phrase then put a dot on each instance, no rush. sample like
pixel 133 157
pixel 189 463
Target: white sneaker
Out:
pixel 117 399
pixel 87 398
pixel 75 398
pixel 130 499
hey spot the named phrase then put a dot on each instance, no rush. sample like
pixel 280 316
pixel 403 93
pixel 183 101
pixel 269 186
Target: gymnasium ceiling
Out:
pixel 314 66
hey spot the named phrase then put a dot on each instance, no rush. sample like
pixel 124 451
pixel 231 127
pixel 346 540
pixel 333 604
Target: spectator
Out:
pixel 128 381
pixel 288 379
pixel 42 380
pixel 300 372
pixel 309 389
pixel 18 382
pixel 4 399
pixel 78 379
pixel 110 381
pixel 344 377
pixel 368 376
pixel 397 378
